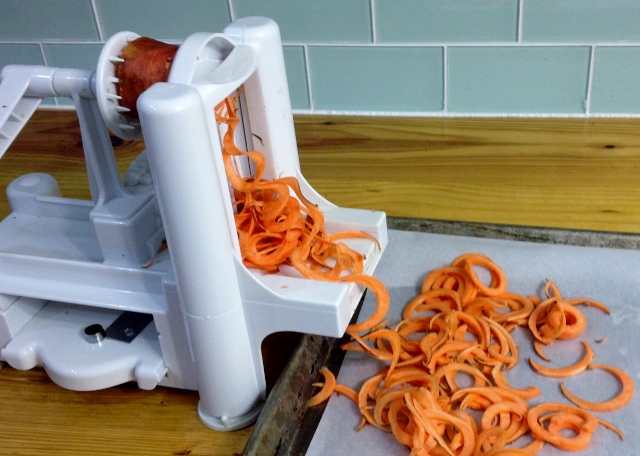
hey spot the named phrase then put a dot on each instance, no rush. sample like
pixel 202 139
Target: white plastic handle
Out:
pixel 22 88
pixel 16 104
pixel 214 63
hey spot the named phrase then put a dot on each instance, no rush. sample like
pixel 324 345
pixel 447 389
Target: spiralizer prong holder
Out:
pixel 75 298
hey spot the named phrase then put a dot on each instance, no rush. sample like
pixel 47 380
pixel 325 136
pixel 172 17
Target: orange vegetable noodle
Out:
pixel 277 225
pixel 458 329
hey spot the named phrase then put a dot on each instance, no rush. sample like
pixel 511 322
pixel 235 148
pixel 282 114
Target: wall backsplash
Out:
pixel 382 57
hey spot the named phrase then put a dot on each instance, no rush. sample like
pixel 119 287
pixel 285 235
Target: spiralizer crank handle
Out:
pixel 21 91
pixel 22 88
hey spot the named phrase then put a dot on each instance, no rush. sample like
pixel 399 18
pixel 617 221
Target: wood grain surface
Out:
pixel 38 417
pixel 561 173
pixel 567 173
pixel 556 172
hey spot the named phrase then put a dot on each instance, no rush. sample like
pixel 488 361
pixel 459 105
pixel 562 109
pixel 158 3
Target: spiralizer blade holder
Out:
pixel 210 313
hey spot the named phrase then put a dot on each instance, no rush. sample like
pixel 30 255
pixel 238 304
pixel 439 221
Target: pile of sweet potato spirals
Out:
pixel 458 324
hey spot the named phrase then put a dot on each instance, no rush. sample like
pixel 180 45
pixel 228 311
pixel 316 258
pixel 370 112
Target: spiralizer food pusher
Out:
pixel 74 295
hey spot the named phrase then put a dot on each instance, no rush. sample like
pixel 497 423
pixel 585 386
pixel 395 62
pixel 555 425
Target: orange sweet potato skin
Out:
pixel 146 61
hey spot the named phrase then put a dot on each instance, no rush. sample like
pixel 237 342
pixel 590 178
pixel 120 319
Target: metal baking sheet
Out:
pixel 287 427
pixel 611 276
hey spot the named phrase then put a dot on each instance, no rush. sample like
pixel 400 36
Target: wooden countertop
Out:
pixel 567 173
pixel 557 172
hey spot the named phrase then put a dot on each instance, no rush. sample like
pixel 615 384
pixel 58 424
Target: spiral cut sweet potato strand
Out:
pixel 274 228
pixel 277 225
pixel 461 326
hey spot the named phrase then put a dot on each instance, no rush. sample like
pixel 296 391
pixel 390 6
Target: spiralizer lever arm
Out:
pixel 22 88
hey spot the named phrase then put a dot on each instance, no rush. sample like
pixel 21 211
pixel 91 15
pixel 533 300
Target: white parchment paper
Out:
pixel 609 275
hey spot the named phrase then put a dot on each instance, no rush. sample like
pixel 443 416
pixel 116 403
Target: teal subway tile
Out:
pixel 361 78
pixel 22 54
pixel 163 19
pixel 297 76
pixel 616 80
pixel 518 79
pixel 313 20
pixel 47 20
pixel 84 56
pixel 450 20
pixel 581 20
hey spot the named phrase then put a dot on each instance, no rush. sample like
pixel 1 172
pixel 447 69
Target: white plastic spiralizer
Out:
pixel 74 295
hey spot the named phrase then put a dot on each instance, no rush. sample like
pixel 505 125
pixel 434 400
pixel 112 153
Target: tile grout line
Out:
pixel 50 42
pixel 520 19
pixel 498 44
pixel 445 79
pixel 44 60
pixel 305 49
pixel 232 11
pixel 442 114
pixel 44 56
pixel 96 18
pixel 592 58
pixel 374 28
